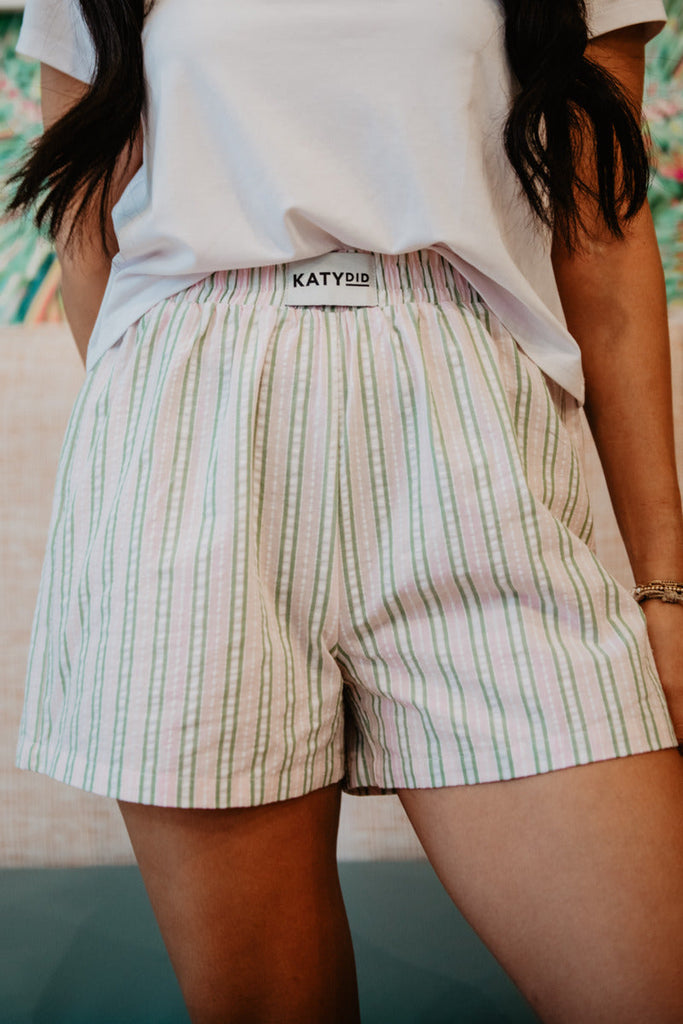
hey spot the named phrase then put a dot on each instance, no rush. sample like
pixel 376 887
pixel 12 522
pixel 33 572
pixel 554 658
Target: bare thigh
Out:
pixel 250 908
pixel 574 880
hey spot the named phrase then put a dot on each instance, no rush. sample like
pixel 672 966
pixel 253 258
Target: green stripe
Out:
pixel 292 514
pixel 129 435
pixel 549 469
pixel 350 561
pixel 182 457
pixel 412 436
pixel 73 706
pixel 150 338
pixel 96 502
pixel 381 511
pixel 157 675
pixel 320 602
pixel 265 699
pixel 45 603
pixel 199 625
pixel 246 379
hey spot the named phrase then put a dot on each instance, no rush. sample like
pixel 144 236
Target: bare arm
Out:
pixel 85 273
pixel 615 303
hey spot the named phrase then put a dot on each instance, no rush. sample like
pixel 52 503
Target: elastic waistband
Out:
pixel 421 275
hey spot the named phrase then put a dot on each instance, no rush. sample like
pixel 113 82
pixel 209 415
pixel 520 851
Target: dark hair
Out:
pixel 77 155
pixel 564 101
pixel 561 100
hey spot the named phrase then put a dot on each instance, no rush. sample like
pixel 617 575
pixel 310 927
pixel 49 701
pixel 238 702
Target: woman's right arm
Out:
pixel 85 269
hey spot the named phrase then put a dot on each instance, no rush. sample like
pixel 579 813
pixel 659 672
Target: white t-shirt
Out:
pixel 279 130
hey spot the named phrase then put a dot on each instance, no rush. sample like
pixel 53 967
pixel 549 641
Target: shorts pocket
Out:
pixel 549 424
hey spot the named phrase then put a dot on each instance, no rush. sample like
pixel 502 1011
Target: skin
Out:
pixel 573 878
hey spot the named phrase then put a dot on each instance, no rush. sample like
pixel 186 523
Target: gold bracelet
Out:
pixel 670 591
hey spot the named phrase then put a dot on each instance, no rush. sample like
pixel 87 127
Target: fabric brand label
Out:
pixel 333 279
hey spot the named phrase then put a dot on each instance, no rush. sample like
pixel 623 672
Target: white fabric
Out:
pixel 279 130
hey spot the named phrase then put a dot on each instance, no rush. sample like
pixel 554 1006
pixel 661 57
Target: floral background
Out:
pixel 29 272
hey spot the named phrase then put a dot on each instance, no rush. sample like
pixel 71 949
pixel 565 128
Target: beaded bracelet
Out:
pixel 666 590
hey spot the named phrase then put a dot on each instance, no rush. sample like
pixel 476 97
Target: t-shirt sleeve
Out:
pixel 607 15
pixel 54 32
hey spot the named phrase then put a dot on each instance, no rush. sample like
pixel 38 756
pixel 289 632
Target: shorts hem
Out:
pixel 36 759
pixel 380 787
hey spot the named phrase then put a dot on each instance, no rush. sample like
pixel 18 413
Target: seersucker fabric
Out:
pixel 293 545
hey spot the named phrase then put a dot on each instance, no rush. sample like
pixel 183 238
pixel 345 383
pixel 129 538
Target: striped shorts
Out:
pixel 296 545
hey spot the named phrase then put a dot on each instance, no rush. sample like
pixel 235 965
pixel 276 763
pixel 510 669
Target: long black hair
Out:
pixel 561 99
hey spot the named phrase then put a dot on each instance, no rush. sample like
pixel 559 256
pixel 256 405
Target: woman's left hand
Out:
pixel 665 632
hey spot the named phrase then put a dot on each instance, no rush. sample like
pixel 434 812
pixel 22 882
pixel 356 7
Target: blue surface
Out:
pixel 81 946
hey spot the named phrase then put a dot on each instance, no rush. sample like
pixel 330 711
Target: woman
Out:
pixel 314 531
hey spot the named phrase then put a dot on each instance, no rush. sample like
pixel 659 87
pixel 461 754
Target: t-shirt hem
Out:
pixel 629 12
pixel 115 324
